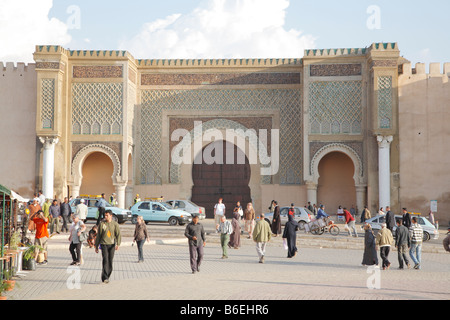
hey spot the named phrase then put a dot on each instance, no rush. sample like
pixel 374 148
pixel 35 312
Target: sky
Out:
pixel 207 29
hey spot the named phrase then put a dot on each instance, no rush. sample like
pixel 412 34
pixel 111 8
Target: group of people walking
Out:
pixel 408 237
pixel 48 217
pixel 230 232
pixel 105 235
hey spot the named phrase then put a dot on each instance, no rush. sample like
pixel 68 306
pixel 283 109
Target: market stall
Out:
pixel 11 213
pixel 5 202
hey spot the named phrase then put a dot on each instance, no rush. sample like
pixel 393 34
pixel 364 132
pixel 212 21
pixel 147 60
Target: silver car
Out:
pixel 302 216
pixel 429 231
pixel 188 206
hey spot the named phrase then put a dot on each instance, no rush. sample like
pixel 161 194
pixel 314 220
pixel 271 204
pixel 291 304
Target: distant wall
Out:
pixel 18 127
pixel 424 117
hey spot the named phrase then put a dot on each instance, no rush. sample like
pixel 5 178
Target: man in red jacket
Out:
pixel 350 223
pixel 42 235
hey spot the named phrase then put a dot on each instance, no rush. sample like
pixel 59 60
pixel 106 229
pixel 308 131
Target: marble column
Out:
pixel 120 192
pixel 128 196
pixel 311 189
pixel 75 191
pixel 360 198
pixel 48 174
pixel 384 170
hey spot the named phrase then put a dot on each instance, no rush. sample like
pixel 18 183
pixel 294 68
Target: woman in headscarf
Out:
pixel 370 253
pixel 290 234
pixel 235 236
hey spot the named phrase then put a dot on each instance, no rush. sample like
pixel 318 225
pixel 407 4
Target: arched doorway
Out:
pixel 336 185
pixel 97 172
pixel 229 181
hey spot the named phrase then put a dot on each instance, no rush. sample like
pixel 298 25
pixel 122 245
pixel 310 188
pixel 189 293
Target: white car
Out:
pixel 188 206
pixel 302 216
pixel 429 231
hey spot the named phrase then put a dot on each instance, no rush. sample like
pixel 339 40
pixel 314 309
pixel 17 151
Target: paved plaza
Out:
pixel 325 268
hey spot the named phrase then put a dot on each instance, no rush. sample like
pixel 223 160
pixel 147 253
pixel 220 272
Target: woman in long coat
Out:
pixel 276 222
pixel 290 234
pixel 370 252
pixel 235 236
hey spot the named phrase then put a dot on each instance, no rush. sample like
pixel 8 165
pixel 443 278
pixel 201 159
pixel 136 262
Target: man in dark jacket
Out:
pixel 197 240
pixel 402 243
pixel 406 218
pixel 390 219
pixel 66 212
pixel 276 222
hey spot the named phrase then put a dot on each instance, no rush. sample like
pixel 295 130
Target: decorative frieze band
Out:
pixel 47 65
pixel 219 79
pixel 335 70
pixel 384 63
pixel 97 72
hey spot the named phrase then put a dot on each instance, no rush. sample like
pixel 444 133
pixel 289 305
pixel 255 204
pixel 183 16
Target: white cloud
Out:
pixel 222 29
pixel 25 24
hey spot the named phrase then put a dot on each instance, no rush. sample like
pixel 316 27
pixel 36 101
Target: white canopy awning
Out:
pixel 18 197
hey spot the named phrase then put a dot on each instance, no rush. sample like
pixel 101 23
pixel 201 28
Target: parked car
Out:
pixel 119 215
pixel 159 212
pixel 302 216
pixel 429 231
pixel 188 206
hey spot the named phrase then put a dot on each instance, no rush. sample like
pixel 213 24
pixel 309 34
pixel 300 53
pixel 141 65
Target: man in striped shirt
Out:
pixel 416 236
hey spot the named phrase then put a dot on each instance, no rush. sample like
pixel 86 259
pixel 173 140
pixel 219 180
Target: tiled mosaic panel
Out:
pixel 48 103
pixel 385 102
pixel 335 107
pixel 97 108
pixel 287 101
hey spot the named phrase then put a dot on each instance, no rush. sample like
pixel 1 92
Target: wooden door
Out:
pixel 229 181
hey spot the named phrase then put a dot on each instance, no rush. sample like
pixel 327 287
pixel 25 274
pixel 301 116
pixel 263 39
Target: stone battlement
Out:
pixel 12 68
pixel 420 69
pixel 100 54
pixel 216 62
pixel 378 47
pixel 335 52
pixel 121 54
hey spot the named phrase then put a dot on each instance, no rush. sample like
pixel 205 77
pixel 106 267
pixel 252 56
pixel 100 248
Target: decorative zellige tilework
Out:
pixel 97 108
pixel 385 102
pixel 48 103
pixel 288 101
pixel 335 107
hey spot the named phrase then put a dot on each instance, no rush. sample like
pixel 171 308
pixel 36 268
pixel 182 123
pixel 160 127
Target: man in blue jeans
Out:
pixel 101 205
pixel 416 235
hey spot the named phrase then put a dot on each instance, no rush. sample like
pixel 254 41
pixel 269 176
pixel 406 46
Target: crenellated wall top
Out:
pixel 20 67
pixel 218 62
pixel 435 69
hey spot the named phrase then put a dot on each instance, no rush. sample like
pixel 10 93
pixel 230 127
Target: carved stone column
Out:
pixel 384 170
pixel 120 192
pixel 311 189
pixel 48 174
pixel 360 198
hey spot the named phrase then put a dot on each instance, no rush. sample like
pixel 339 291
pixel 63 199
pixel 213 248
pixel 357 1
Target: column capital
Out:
pixel 311 185
pixel 49 141
pixel 384 141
